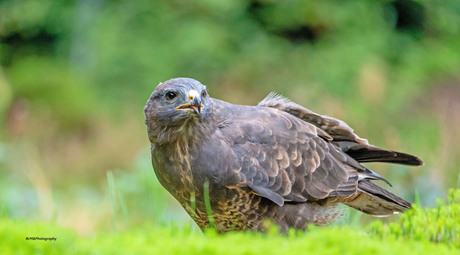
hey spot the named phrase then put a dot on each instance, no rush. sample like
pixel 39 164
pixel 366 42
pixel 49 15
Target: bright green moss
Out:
pixel 419 231
pixel 440 224
pixel 334 240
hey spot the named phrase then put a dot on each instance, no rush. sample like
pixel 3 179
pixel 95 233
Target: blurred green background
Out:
pixel 75 75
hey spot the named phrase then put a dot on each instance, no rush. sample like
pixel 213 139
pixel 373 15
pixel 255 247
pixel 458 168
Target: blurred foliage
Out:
pixel 75 75
pixel 403 237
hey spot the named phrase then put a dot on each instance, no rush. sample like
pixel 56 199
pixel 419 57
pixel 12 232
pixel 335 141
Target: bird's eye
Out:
pixel 204 94
pixel 170 95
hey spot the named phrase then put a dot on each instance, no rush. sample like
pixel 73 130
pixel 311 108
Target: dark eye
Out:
pixel 204 94
pixel 170 95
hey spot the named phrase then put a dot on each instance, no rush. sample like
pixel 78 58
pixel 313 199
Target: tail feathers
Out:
pixel 371 175
pixel 369 153
pixel 374 200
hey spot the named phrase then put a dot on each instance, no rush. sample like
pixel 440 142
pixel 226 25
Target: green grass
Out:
pixel 440 224
pixel 419 231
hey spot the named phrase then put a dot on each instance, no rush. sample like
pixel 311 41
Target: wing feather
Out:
pixel 340 133
pixel 284 158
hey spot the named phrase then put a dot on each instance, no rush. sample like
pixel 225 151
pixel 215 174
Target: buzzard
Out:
pixel 235 166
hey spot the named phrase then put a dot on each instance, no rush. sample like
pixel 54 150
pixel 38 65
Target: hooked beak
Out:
pixel 194 104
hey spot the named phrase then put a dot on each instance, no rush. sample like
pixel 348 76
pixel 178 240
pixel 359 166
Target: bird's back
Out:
pixel 288 160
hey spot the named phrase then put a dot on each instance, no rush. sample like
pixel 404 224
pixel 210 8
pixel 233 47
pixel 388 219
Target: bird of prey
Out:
pixel 235 166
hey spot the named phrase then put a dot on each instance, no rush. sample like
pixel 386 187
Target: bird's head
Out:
pixel 174 105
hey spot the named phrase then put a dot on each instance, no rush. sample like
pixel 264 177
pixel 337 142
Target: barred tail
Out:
pixel 374 200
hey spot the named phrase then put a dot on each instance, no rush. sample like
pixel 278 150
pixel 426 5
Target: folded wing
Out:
pixel 341 134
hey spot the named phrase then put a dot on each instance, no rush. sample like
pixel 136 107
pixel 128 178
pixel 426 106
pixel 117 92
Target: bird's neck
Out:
pixel 189 133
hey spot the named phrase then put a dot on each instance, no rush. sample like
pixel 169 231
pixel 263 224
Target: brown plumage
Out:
pixel 277 161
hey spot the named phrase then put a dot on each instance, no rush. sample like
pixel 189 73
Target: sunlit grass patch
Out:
pixel 420 231
pixel 440 224
pixel 164 240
